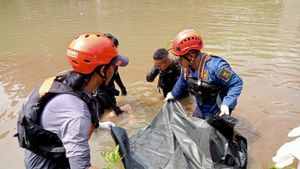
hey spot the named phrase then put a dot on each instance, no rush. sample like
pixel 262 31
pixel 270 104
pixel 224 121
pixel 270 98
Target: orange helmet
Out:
pixel 88 51
pixel 185 41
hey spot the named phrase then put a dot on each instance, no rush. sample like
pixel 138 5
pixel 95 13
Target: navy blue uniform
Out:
pixel 218 73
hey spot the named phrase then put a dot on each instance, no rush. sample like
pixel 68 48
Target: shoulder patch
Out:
pixel 205 75
pixel 224 74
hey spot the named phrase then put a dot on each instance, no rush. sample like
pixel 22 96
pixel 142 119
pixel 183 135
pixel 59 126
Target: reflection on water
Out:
pixel 9 106
pixel 3 135
pixel 260 39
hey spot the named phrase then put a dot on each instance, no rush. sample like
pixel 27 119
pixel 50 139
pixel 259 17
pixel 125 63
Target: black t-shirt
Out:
pixel 167 78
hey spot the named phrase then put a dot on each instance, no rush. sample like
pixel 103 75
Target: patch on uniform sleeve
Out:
pixel 224 74
pixel 205 75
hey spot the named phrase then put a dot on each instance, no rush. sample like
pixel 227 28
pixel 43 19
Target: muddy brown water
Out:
pixel 260 39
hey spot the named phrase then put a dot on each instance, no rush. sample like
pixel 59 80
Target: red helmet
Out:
pixel 185 41
pixel 88 51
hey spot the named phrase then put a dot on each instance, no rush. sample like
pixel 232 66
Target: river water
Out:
pixel 260 39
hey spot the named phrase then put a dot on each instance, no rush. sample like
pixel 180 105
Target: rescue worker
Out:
pixel 107 91
pixel 57 134
pixel 209 78
pixel 106 95
pixel 167 69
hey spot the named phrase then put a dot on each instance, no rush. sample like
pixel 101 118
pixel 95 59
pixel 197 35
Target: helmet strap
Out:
pixel 191 61
pixel 187 59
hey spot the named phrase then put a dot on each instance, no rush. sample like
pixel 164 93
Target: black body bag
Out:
pixel 175 141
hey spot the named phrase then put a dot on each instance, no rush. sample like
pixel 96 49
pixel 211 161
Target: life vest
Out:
pixel 31 135
pixel 199 86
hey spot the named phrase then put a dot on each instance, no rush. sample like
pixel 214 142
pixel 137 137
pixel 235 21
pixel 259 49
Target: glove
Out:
pixel 106 125
pixel 295 132
pixel 169 97
pixel 286 154
pixel 224 110
pixel 123 91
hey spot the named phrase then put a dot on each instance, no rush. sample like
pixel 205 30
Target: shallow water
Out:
pixel 260 39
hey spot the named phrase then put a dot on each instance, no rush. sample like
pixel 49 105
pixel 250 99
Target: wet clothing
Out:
pixel 167 78
pixel 68 117
pixel 55 124
pixel 106 94
pixel 213 83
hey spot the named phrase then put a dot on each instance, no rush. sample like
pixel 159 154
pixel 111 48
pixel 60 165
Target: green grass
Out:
pixel 273 167
pixel 112 158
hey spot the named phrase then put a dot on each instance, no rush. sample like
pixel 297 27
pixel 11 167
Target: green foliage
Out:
pixel 112 158
pixel 273 167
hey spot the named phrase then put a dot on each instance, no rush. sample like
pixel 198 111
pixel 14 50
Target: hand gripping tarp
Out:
pixel 175 141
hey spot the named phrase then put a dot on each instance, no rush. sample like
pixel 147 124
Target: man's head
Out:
pixel 94 53
pixel 161 59
pixel 185 41
pixel 187 45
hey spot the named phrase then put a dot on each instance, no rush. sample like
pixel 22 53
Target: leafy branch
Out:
pixel 112 158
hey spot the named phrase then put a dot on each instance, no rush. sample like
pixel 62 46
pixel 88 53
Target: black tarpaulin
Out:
pixel 175 141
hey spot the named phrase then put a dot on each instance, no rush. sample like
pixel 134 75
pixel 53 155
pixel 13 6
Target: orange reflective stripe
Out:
pixel 91 131
pixel 199 66
pixel 202 65
pixel 46 85
pixel 202 71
